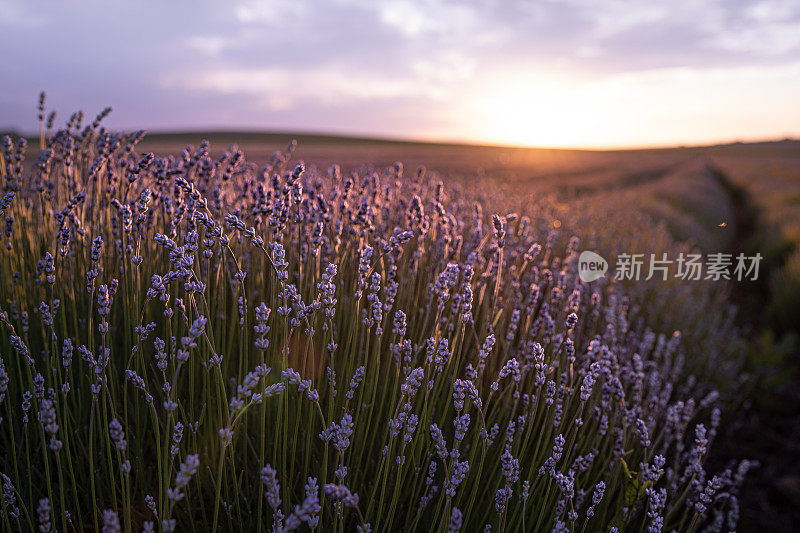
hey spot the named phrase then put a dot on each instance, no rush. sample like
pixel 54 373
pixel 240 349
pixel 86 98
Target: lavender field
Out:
pixel 205 336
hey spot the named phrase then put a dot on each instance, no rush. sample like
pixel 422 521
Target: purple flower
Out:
pixel 185 473
pixel 308 511
pixel 117 434
pixel 438 441
pixel 358 375
pixel 462 424
pixel 501 498
pixel 339 433
pixel 458 473
pixel 43 512
pixel 510 467
pixel 597 497
pixel 110 522
pixel 272 488
pixel 412 383
pixel 456 519
pixel 342 494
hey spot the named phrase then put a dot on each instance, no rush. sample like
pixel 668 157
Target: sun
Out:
pixel 541 112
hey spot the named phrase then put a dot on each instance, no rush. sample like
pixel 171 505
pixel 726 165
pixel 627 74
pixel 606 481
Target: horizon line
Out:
pixel 441 141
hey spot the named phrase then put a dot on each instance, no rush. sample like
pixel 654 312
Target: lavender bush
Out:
pixel 197 343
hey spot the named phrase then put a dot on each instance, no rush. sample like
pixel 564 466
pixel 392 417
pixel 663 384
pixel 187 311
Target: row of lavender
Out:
pixel 197 343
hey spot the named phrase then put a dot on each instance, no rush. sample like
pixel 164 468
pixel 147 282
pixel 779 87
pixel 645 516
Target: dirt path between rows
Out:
pixel 767 427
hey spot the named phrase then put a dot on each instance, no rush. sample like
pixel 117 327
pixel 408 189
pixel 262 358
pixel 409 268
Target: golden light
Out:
pixel 539 112
pixel 635 109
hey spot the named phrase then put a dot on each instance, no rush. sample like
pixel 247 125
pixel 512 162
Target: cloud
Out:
pixel 765 28
pixel 379 66
pixel 271 12
pixel 209 45
pixel 427 17
pixel 327 84
pixel 19 15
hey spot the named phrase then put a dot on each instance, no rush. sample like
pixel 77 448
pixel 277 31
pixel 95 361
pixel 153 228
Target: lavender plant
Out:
pixel 196 342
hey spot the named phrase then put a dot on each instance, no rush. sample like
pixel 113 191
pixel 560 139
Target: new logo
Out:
pixel 591 266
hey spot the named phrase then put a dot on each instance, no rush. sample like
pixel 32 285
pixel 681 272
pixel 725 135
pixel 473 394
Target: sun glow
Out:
pixel 645 108
pixel 539 113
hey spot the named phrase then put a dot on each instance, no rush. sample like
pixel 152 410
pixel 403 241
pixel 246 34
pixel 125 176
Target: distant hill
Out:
pixel 226 137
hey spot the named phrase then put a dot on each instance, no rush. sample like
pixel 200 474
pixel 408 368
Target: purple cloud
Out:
pixel 398 67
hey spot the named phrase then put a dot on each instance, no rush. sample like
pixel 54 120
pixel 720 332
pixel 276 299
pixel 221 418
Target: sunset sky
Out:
pixel 584 73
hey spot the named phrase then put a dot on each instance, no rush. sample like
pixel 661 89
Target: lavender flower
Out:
pixel 308 511
pixel 456 519
pixel 358 375
pixel 177 435
pixel 510 467
pixel 117 435
pixel 272 489
pixel 438 441
pixel 413 382
pixel 10 497
pixel 597 497
pixel 43 512
pixel 342 494
pixel 185 473
pixel 458 473
pixel 110 522
pixel 501 499
pixel 339 433
pixel 462 424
